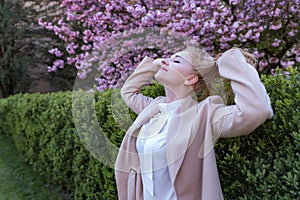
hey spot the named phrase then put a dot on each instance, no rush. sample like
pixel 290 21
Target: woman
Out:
pixel 168 152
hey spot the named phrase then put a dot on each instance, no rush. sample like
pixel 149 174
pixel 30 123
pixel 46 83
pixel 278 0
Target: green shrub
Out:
pixel 62 138
pixel 266 163
pixel 42 128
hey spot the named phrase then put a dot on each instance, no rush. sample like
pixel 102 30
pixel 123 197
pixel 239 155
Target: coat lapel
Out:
pixel 179 135
pixel 144 117
pixel 128 158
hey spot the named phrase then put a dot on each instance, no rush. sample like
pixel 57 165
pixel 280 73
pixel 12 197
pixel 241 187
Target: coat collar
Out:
pixel 177 140
pixel 179 131
pixel 153 109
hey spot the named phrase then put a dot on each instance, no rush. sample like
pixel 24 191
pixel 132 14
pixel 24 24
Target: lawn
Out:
pixel 18 181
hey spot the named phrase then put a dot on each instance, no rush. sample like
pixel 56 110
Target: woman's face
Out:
pixel 174 71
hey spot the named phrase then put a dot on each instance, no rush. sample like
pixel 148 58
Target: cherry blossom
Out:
pixel 267 28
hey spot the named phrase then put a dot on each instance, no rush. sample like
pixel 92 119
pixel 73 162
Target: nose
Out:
pixel 165 62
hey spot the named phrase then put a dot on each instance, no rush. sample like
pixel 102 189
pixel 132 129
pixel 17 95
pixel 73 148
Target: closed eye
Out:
pixel 176 58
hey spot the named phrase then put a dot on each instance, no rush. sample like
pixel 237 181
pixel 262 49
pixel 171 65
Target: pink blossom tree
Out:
pixel 267 28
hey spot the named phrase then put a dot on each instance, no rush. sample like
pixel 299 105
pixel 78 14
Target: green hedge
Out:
pixel 65 143
pixel 266 163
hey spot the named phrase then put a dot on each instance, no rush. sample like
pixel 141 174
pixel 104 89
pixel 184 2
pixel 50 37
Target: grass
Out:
pixel 18 181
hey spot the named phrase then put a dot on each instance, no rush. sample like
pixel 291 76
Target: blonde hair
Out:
pixel 210 82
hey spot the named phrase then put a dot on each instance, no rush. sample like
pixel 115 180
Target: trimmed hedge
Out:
pixel 266 163
pixel 64 143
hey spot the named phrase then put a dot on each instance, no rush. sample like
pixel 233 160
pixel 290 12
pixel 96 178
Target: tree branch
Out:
pixel 144 4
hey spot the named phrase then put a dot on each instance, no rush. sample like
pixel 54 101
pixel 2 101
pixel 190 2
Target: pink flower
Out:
pixel 59 63
pixel 262 64
pixel 56 52
pixel 248 34
pixel 234 2
pixel 185 8
pixel 261 28
pixel 276 43
pixel 86 47
pixel 52 69
pixel 92 24
pixel 71 48
pixel 275 26
pixel 255 53
pixel 235 25
pixel 82 74
pixel 292 33
pixel 193 5
pixel 273 60
pixel 233 36
pixel 293 9
pixel 277 12
pixel 291 63
pixel 41 23
pixel 284 63
pixel 71 61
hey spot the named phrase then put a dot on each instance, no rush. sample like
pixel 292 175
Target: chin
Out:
pixel 159 78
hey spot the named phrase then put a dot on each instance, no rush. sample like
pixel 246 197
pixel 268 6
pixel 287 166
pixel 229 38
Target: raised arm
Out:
pixel 131 90
pixel 252 104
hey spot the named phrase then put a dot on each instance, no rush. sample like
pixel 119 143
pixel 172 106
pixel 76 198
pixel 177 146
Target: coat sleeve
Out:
pixel 131 90
pixel 252 104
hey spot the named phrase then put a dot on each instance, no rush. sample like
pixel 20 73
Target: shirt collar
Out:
pixel 175 107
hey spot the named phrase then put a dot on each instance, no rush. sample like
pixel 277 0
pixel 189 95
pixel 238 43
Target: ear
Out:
pixel 191 80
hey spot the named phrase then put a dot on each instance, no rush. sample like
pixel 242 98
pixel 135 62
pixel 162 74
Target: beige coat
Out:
pixel 194 131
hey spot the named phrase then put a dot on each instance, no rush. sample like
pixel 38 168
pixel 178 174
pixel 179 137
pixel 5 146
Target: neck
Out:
pixel 179 94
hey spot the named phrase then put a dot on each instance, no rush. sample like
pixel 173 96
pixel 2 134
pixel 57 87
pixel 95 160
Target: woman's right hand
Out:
pixel 158 62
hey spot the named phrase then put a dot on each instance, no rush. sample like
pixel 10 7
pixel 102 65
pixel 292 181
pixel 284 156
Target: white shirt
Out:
pixel 151 147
